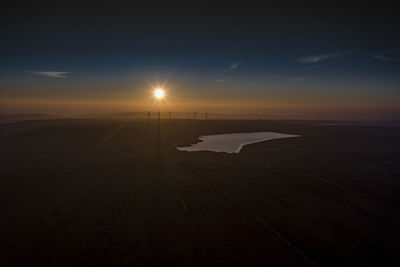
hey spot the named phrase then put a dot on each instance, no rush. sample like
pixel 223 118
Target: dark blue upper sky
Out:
pixel 74 35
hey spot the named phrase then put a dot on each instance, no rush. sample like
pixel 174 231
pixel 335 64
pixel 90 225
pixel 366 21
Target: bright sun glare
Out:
pixel 159 93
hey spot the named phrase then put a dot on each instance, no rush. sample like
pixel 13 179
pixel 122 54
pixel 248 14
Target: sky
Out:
pixel 326 60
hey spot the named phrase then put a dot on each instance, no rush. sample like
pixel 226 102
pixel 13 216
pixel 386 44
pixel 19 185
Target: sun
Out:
pixel 159 93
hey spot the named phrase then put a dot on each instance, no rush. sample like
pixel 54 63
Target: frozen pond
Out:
pixel 232 143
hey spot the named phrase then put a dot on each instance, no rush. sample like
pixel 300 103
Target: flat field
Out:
pixel 112 191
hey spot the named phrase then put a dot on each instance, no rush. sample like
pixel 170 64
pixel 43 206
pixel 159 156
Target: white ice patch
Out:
pixel 232 143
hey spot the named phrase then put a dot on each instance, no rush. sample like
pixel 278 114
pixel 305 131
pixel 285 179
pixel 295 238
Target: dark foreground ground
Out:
pixel 98 191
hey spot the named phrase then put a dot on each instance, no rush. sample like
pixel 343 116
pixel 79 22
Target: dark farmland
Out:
pixel 109 191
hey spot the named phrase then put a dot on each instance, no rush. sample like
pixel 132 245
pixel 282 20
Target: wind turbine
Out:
pixel 159 95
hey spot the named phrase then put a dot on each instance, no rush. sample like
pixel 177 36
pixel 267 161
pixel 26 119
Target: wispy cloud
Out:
pixel 224 80
pixel 319 58
pixel 268 77
pixel 52 74
pixel 296 79
pixel 314 67
pixel 231 67
pixel 386 55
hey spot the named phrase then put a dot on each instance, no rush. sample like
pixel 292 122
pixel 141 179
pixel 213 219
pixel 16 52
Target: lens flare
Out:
pixel 159 93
